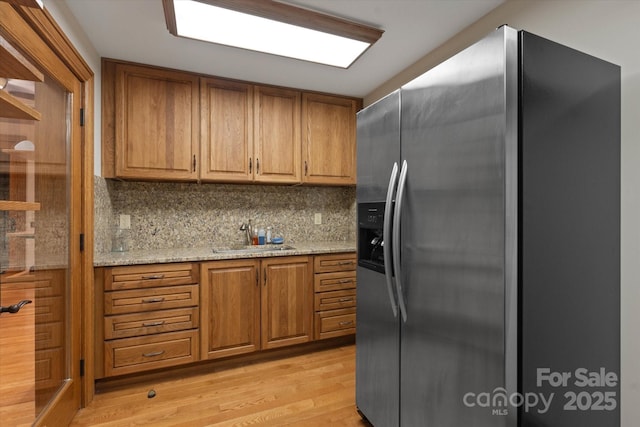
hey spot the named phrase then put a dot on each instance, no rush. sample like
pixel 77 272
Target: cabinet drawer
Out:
pixel 148 323
pixel 335 299
pixel 334 281
pixel 49 365
pixel 147 276
pixel 335 323
pixel 120 302
pixel 49 335
pixel 130 355
pixel 334 262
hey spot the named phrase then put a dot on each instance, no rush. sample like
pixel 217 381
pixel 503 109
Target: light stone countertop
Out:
pixel 157 256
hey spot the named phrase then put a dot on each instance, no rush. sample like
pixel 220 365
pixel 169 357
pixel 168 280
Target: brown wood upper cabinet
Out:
pixel 249 133
pixel 226 130
pixel 329 139
pixel 156 123
pixel 169 125
pixel 277 135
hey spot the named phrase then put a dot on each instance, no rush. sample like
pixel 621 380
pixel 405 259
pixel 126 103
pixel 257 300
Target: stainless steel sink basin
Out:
pixel 252 249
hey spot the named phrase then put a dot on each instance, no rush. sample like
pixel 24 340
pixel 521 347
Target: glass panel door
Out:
pixel 35 279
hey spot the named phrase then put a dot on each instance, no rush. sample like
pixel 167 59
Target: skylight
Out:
pixel 204 20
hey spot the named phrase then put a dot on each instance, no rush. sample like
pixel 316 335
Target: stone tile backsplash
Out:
pixel 183 215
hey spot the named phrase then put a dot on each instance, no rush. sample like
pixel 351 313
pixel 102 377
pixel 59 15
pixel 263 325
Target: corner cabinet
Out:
pixel 329 139
pixel 155 122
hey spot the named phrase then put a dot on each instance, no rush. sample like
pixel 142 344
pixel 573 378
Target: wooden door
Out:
pixel 287 301
pixel 329 139
pixel 41 223
pixel 157 123
pixel 229 308
pixel 277 135
pixel 226 131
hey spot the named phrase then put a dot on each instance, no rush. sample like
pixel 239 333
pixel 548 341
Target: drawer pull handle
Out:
pixel 345 323
pixel 150 300
pixel 346 299
pixel 161 322
pixel 153 353
pixel 346 263
pixel 153 276
pixel 346 281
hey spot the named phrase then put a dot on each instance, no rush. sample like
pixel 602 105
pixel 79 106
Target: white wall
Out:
pixel 609 29
pixel 65 19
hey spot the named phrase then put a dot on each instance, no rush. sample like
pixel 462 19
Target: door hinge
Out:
pixel 82 367
pixel 82 117
pixel 81 242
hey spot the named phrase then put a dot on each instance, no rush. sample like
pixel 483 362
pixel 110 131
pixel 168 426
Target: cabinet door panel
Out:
pixel 230 318
pixel 277 135
pixel 287 306
pixel 226 130
pixel 329 139
pixel 157 132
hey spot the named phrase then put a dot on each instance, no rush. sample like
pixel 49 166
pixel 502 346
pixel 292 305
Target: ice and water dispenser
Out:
pixel 370 242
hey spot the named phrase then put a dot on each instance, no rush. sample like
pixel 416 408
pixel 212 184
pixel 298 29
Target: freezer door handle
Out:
pixel 395 242
pixel 386 237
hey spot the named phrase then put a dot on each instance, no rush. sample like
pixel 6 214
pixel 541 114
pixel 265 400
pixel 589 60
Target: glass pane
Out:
pixel 34 251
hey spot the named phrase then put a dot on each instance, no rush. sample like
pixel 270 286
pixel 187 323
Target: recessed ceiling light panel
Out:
pixel 203 20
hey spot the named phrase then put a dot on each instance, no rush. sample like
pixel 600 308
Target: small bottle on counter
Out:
pixel 261 237
pixel 268 235
pixel 254 236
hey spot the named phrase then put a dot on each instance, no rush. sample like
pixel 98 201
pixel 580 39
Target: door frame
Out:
pixel 34 31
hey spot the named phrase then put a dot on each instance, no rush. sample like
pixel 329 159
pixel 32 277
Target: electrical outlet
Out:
pixel 317 218
pixel 125 222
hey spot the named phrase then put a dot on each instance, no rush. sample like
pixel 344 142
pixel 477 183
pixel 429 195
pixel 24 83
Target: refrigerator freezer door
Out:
pixel 378 137
pixel 377 328
pixel 453 223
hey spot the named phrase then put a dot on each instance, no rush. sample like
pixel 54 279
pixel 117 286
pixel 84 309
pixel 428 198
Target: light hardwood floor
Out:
pixel 312 389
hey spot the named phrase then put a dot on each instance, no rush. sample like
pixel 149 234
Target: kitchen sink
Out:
pixel 252 249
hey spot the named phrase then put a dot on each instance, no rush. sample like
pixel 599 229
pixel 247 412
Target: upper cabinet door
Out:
pixel 226 130
pixel 156 115
pixel 329 139
pixel 277 135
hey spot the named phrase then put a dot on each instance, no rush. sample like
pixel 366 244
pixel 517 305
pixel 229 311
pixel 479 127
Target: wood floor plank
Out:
pixel 313 389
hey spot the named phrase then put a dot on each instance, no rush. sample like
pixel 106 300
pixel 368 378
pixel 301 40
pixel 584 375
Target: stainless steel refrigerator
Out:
pixel 489 241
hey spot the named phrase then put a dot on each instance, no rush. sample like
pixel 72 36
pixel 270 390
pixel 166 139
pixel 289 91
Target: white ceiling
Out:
pixel 135 30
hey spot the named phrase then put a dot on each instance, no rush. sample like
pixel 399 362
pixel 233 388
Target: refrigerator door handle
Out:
pixel 386 237
pixel 395 243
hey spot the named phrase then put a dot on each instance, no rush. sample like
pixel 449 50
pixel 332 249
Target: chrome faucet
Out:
pixel 246 227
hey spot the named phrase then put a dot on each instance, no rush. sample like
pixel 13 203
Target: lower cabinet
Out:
pixel 287 301
pixel 150 317
pixel 335 295
pixel 247 305
pixel 162 315
pixel 230 315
